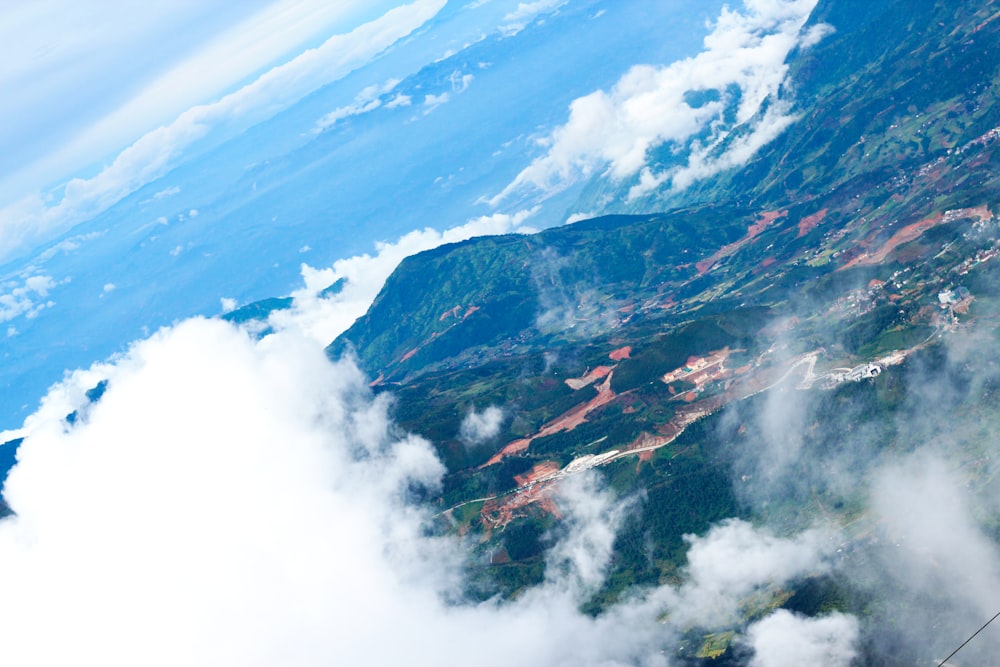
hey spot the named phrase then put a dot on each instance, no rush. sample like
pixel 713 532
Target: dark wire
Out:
pixel 968 640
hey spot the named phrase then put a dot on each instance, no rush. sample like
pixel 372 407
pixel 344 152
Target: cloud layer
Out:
pixel 26 298
pixel 32 219
pixel 685 104
pixel 235 500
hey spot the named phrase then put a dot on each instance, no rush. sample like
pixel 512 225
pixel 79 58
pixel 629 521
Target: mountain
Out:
pixel 755 350
pixel 743 413
pixel 230 205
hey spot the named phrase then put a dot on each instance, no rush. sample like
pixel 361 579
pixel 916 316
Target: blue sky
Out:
pixel 81 85
pixel 166 163
pixel 162 163
pixel 82 80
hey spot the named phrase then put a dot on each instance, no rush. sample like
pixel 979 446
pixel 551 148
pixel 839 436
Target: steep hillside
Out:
pixel 756 353
pixel 893 86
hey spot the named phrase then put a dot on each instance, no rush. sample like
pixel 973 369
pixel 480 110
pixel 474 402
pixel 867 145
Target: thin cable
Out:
pixel 941 664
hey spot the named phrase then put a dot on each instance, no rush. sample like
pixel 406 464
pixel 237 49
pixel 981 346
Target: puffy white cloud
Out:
pixel 734 560
pixel 324 318
pixel 25 298
pixel 613 132
pixel 239 501
pixel 233 501
pixel 33 219
pixel 478 427
pixel 784 639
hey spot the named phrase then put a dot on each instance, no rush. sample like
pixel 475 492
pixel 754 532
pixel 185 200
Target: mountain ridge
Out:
pixel 842 284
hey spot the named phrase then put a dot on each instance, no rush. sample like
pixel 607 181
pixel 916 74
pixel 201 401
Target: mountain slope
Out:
pixel 757 353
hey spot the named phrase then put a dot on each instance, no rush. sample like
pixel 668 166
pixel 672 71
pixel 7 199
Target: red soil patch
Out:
pixel 469 311
pixel 543 469
pixel 499 512
pixel 377 381
pixel 767 261
pixel 904 235
pixel 808 223
pixel 515 447
pixel 409 354
pixel 567 421
pixel 704 265
pixel 590 378
pixel 449 313
pixel 765 220
pixel 621 353
pixel 500 557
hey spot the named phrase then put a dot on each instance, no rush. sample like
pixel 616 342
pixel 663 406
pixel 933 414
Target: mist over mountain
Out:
pixel 689 360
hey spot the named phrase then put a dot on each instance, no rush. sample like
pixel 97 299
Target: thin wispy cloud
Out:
pixel 367 100
pixel 525 13
pixel 33 219
pixel 86 80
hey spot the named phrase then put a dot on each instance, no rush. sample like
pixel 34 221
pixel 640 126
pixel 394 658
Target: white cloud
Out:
pixel 937 549
pixel 526 12
pixel 460 81
pixel 240 502
pixel 399 100
pixel 69 245
pixel 816 34
pixel 478 427
pixel 167 192
pixel 32 219
pixel 784 639
pixel 613 132
pixel 323 319
pixel 735 560
pixel 369 99
pixel 579 217
pixel 164 59
pixel 109 287
pixel 432 102
pixel 228 305
pixel 26 298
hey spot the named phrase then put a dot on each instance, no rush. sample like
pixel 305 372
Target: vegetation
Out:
pixel 834 248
